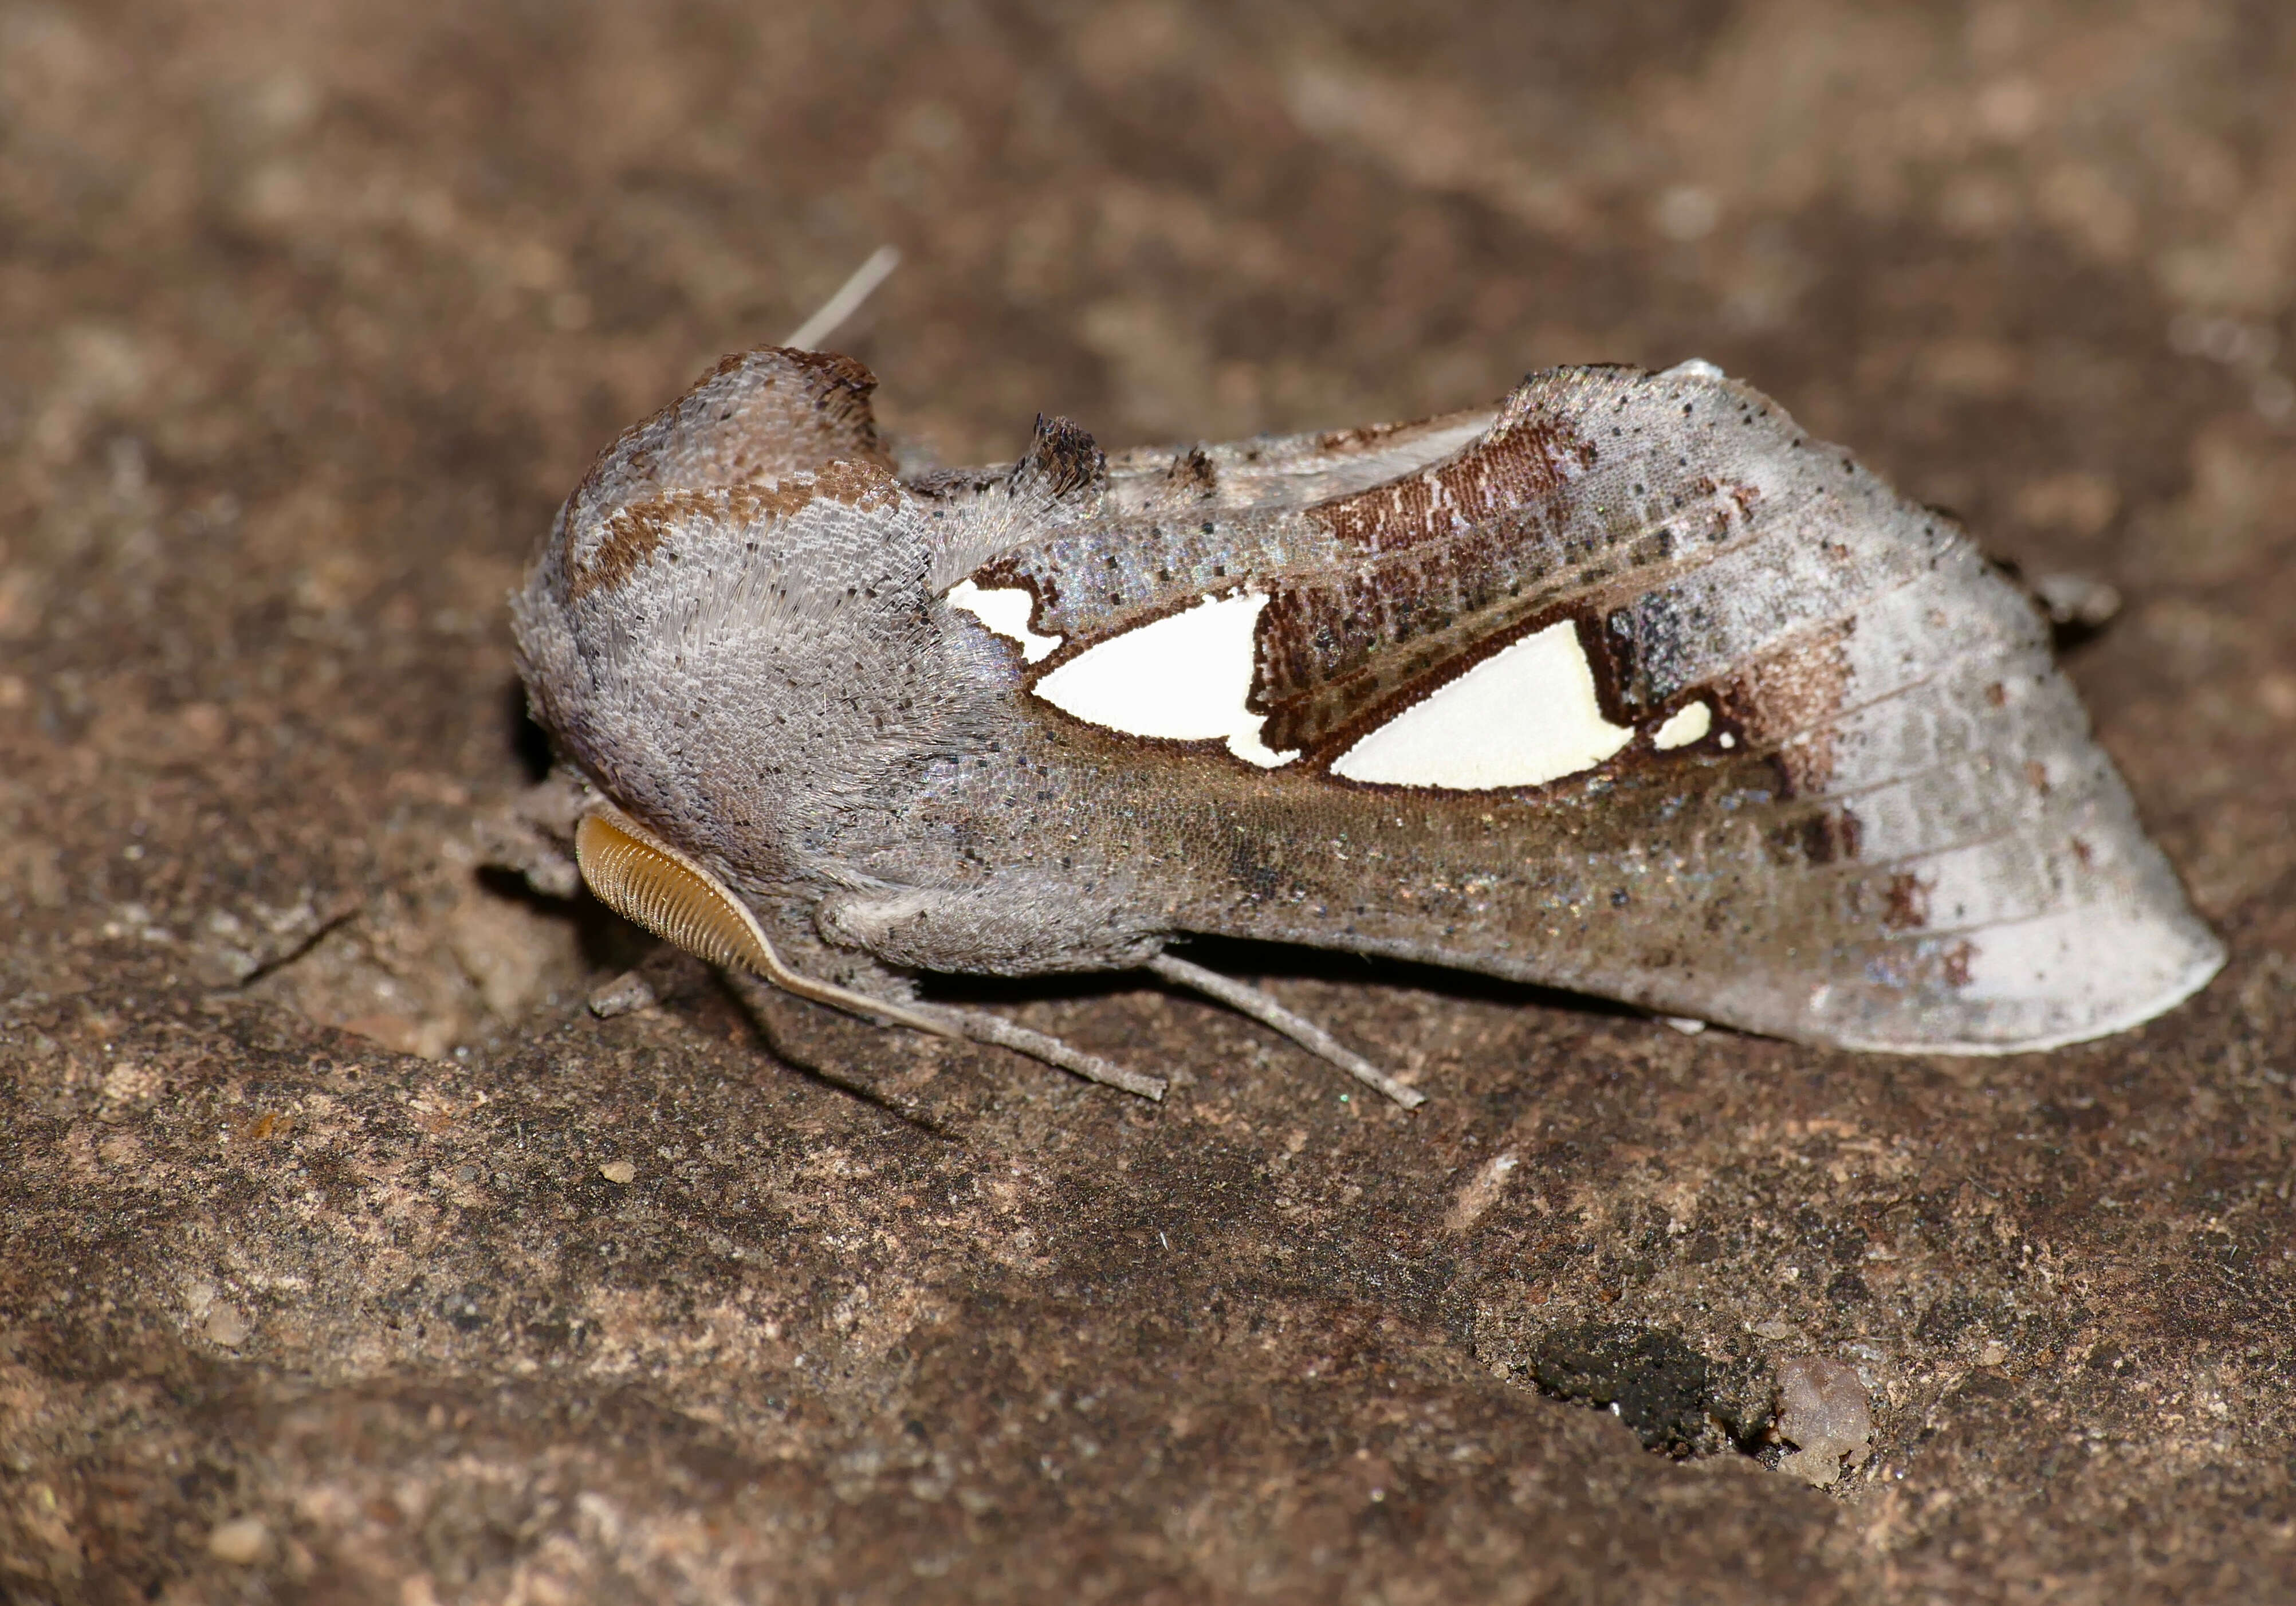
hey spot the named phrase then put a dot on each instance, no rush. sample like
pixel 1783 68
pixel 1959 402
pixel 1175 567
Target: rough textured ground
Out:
pixel 343 1255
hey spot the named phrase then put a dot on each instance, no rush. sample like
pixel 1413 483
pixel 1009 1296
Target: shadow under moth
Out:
pixel 1626 687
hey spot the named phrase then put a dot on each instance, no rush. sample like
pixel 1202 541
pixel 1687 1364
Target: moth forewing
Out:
pixel 1696 713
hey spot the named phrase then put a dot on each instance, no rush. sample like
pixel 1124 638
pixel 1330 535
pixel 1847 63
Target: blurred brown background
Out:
pixel 344 1257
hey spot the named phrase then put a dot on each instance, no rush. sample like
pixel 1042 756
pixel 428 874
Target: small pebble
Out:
pixel 243 1541
pixel 227 1326
pixel 625 994
pixel 1824 1414
pixel 619 1170
pixel 2074 599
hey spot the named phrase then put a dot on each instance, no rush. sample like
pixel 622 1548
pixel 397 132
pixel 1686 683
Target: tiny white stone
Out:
pixel 1725 740
pixel 1683 726
pixel 1183 677
pixel 242 1542
pixel 1005 610
pixel 1689 1026
pixel 227 1326
pixel 1696 367
pixel 1687 212
pixel 1522 716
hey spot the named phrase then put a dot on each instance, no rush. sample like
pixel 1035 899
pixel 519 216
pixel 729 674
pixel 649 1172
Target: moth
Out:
pixel 1626 686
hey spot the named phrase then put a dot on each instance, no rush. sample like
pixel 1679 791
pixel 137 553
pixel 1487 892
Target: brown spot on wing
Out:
pixel 1746 497
pixel 1337 646
pixel 1955 963
pixel 1907 908
pixel 1829 836
pixel 1454 554
pixel 1787 700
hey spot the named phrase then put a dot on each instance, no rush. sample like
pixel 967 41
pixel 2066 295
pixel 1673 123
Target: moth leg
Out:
pixel 982 1026
pixel 979 1026
pixel 533 837
pixel 1250 1001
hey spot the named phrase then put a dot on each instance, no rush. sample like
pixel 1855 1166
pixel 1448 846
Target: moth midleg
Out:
pixel 982 1026
pixel 645 879
pixel 979 1026
pixel 1247 1000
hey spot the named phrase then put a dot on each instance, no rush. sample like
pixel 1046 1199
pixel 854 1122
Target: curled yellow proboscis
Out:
pixel 643 883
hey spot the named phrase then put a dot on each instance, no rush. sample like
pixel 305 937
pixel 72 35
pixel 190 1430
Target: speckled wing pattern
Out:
pixel 1892 829
pixel 1626 686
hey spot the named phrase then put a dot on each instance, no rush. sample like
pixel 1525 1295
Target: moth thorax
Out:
pixel 647 882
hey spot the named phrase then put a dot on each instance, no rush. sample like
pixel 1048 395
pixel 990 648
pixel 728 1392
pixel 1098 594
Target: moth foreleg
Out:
pixel 1250 1001
pixel 533 837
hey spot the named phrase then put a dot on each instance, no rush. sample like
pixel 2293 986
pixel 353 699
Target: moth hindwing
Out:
pixel 1626 686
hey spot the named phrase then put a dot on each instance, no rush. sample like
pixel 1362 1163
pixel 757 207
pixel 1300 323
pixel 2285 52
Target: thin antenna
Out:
pixel 809 335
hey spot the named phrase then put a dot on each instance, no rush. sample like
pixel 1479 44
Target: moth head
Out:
pixel 729 631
